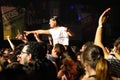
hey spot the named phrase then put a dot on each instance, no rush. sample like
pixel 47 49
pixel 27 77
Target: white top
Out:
pixel 60 36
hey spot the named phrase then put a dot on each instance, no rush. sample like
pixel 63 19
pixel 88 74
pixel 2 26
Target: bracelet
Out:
pixel 100 25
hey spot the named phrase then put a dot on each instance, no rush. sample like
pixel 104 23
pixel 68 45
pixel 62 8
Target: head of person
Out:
pixel 58 50
pixel 116 48
pixel 94 58
pixel 71 65
pixel 54 21
pixel 33 51
pixel 85 45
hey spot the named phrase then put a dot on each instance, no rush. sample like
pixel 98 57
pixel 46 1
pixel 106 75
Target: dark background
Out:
pixel 81 16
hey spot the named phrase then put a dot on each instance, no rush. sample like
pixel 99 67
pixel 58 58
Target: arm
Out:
pixel 98 35
pixel 70 33
pixel 37 31
pixel 11 44
pixel 37 37
pixel 22 37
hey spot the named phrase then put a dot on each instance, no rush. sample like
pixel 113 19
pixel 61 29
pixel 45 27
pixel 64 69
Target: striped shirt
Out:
pixel 115 65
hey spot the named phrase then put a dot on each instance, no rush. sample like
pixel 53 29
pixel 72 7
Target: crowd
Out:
pixel 57 60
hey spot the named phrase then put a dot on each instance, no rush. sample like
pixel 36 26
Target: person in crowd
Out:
pixel 71 69
pixel 59 33
pixel 55 56
pixel 33 55
pixel 13 73
pixel 96 66
pixel 113 58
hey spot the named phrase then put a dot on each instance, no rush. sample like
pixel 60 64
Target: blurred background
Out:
pixel 81 16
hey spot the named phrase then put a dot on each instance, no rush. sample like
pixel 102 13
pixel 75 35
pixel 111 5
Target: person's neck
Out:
pixel 56 27
pixel 91 72
pixel 92 75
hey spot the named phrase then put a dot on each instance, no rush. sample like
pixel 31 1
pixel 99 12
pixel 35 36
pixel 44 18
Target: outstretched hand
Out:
pixel 103 17
pixel 26 33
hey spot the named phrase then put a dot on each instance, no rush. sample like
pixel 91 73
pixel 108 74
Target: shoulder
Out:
pixel 113 60
pixel 112 56
pixel 63 27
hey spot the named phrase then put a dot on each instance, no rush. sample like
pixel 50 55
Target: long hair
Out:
pixel 94 56
pixel 103 70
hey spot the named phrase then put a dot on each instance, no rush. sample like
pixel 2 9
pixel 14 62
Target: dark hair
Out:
pixel 117 44
pixel 37 49
pixel 13 71
pixel 60 49
pixel 18 48
pixel 57 19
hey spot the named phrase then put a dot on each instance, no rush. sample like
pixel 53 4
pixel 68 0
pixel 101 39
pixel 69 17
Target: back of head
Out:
pixel 88 43
pixel 91 55
pixel 85 45
pixel 94 56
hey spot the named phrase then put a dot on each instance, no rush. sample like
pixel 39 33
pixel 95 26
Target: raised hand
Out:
pixel 37 37
pixel 98 36
pixel 21 37
pixel 103 17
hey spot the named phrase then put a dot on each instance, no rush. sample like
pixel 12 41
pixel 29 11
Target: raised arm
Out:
pixel 10 42
pixel 37 31
pixel 37 37
pixel 98 35
pixel 21 37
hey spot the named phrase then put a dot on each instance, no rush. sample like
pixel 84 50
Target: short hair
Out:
pixel 37 49
pixel 117 44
